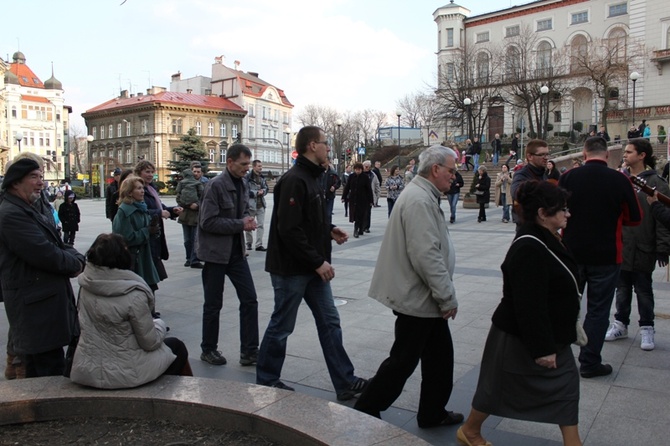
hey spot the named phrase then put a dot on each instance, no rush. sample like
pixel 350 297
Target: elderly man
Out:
pixel 413 277
pixel 36 288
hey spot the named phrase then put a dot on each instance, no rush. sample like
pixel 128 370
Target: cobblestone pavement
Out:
pixel 629 407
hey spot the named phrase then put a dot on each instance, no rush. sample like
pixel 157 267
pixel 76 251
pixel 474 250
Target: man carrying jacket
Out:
pixel 258 189
pixel 298 261
pixel 223 217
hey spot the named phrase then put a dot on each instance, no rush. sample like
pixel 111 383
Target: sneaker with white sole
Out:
pixel 616 331
pixel 647 338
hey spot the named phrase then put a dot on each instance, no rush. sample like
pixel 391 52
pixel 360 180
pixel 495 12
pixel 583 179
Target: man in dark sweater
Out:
pixel 602 200
pixel 537 153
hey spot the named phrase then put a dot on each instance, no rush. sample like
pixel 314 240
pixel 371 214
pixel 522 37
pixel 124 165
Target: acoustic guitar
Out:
pixel 642 185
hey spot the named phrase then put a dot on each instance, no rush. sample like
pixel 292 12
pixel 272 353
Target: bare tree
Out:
pixel 429 107
pixel 410 108
pixel 605 63
pixel 77 137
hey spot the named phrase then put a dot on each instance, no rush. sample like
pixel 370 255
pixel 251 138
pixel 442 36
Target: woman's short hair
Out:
pixel 482 168
pixel 142 166
pixel 393 170
pixel 642 145
pixel 109 250
pixel 127 187
pixel 533 195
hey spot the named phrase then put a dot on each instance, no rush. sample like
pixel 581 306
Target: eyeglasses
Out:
pixel 451 170
pixel 543 155
pixel 323 142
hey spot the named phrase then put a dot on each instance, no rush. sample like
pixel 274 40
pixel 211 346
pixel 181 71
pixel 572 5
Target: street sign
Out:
pixel 294 154
pixel 361 150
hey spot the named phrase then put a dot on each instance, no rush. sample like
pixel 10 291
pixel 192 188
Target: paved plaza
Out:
pixel 630 407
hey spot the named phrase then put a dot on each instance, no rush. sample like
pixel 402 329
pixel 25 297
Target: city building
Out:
pixel 267 126
pixel 553 66
pixel 36 117
pixel 150 126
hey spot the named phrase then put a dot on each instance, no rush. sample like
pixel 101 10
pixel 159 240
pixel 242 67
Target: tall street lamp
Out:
pixel 89 140
pixel 19 138
pixel 467 102
pixel 398 113
pixel 284 158
pixel 634 76
pixel 338 149
pixel 543 112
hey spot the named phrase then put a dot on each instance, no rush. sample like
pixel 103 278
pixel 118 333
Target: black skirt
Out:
pixel 512 385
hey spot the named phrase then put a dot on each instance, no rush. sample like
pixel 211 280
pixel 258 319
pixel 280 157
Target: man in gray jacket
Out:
pixel 413 277
pixel 258 189
pixel 223 217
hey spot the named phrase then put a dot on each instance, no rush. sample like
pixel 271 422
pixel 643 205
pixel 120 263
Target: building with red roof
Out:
pixel 36 118
pixel 267 126
pixel 150 126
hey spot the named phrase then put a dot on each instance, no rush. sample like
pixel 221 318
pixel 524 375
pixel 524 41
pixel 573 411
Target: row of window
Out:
pixel 215 155
pixel 616 41
pixel 35 112
pixel 267 113
pixel 40 139
pixel 544 24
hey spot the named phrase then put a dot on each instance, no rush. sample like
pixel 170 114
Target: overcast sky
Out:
pixel 346 54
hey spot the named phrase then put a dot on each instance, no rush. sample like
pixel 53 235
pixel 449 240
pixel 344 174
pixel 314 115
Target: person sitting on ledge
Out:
pixel 121 345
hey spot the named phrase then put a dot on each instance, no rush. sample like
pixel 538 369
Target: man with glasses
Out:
pixel 223 218
pixel 537 154
pixel 298 260
pixel 414 278
pixel 601 201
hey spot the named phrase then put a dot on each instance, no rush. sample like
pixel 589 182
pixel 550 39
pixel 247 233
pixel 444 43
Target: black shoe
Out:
pixel 213 357
pixel 249 359
pixel 281 385
pixel 367 231
pixel 355 389
pixel 479 220
pixel 248 247
pixel 196 265
pixel 187 264
pixel 451 220
pixel 355 234
pixel 599 370
pixel 155 315
pixel 450 419
pixel 260 248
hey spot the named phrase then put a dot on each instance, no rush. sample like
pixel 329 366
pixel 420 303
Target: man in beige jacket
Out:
pixel 413 277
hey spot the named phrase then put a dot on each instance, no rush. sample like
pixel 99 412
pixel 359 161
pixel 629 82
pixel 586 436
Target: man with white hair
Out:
pixel 414 278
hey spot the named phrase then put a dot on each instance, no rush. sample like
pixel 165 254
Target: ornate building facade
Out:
pixel 501 61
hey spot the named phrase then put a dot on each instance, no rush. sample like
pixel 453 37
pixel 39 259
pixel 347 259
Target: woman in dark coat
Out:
pixel 358 192
pixel 158 211
pixel 69 216
pixel 528 371
pixel 483 192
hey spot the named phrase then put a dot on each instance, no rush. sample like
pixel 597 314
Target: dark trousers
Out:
pixel 68 237
pixel 180 350
pixel 390 202
pixel 190 233
pixel 365 225
pixel 213 278
pixel 425 339
pixel 51 363
pixel 482 211
pixel 644 291
pixel 346 208
pixel 600 282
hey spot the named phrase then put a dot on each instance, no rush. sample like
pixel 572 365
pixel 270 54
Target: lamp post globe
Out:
pixel 634 76
pixel 467 102
pixel 19 138
pixel 543 115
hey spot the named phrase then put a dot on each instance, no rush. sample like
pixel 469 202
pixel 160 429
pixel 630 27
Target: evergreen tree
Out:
pixel 191 149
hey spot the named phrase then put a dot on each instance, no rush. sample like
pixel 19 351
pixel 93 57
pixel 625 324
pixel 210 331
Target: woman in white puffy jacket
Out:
pixel 120 345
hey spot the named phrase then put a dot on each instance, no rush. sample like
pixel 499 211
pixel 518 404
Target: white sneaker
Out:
pixel 647 335
pixel 616 331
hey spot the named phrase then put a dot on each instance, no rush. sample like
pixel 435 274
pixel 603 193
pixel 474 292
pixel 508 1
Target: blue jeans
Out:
pixel 475 158
pixel 289 293
pixel 213 277
pixel 453 203
pixel 642 282
pixel 390 202
pixel 496 156
pixel 600 282
pixel 190 233
pixel 505 206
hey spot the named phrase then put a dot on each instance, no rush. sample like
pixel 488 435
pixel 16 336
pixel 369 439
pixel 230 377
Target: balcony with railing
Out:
pixel 661 57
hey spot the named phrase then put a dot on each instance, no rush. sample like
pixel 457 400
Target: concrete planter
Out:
pixel 470 202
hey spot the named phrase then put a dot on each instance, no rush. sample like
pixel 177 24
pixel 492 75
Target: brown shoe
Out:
pixel 10 369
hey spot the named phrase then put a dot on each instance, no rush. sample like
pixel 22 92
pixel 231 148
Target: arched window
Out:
pixel 578 53
pixel 482 68
pixel 543 61
pixel 513 64
pixel 616 43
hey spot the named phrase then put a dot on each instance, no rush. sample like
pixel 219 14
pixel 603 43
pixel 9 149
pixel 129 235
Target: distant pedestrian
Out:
pixel 69 216
pixel 189 193
pixel 358 193
pixel 483 192
pixel 258 190
pixel 112 196
pixel 394 185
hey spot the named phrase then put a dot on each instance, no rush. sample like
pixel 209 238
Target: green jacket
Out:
pixel 133 224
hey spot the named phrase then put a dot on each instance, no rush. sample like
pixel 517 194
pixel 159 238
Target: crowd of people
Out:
pixel 585 232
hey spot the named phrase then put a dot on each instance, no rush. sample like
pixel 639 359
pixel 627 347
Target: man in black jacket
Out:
pixel 537 154
pixel 298 260
pixel 110 199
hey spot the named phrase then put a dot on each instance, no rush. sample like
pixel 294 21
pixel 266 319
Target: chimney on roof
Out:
pixel 139 94
pixel 176 76
pixel 237 64
pixel 155 90
pixel 251 73
pixel 124 94
pixel 189 90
